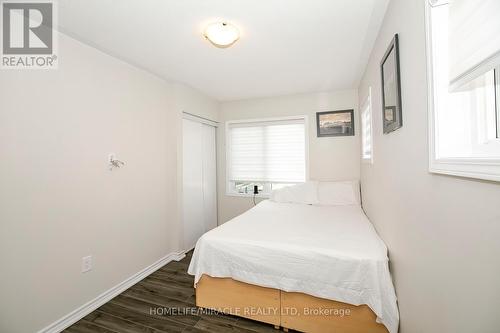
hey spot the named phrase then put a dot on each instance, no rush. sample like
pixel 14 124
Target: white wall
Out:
pixel 330 158
pixel 442 232
pixel 192 101
pixel 58 200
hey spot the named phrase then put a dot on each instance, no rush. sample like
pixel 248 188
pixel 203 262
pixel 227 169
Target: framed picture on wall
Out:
pixel 391 88
pixel 335 123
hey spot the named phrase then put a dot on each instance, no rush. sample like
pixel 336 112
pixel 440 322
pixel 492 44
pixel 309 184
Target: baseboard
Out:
pixel 82 311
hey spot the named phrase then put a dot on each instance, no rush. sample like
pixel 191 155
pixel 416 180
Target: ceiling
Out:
pixel 286 46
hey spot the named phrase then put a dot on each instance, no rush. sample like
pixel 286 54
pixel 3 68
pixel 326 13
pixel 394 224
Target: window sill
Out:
pixel 485 169
pixel 245 195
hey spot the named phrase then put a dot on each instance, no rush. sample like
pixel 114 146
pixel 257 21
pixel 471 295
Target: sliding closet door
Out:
pixel 192 174
pixel 199 181
pixel 209 176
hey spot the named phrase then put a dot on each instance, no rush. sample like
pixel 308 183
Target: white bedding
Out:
pixel 331 252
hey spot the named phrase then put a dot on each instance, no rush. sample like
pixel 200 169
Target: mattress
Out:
pixel 331 252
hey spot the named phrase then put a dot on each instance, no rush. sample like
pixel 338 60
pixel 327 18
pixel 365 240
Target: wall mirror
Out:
pixel 391 88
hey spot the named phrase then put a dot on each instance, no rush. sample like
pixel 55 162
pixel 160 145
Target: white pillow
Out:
pixel 305 193
pixel 339 193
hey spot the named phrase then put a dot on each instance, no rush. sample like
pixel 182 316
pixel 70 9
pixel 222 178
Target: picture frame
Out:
pixel 392 113
pixel 335 123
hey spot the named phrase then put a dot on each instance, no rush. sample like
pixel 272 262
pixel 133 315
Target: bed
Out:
pixel 299 266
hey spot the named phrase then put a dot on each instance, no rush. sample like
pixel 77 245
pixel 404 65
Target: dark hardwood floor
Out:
pixel 144 308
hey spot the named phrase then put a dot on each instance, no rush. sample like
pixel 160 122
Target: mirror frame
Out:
pixel 398 123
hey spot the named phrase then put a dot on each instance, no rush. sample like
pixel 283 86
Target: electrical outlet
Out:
pixel 86 264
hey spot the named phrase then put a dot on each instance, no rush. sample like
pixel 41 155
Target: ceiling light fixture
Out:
pixel 221 34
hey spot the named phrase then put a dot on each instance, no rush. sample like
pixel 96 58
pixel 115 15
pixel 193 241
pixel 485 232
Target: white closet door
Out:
pixel 209 176
pixel 199 181
pixel 193 208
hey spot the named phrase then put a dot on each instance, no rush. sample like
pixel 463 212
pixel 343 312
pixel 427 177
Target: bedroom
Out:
pixel 132 131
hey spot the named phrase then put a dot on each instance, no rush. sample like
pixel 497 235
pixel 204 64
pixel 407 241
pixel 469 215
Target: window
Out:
pixel 366 129
pixel 463 48
pixel 268 153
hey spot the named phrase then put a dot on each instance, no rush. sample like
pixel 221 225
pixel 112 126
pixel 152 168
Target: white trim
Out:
pixel 193 117
pixel 476 71
pixel 497 99
pixel 466 168
pixel 227 165
pixel 72 317
pixel 248 195
pixel 487 169
pixel 305 118
pixel 430 85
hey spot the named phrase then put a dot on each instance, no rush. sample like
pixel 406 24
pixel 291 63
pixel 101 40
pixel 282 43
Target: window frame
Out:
pixel 497 99
pixel 367 104
pixel 469 167
pixel 266 185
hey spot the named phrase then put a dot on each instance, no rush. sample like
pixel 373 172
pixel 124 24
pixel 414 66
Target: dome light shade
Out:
pixel 221 34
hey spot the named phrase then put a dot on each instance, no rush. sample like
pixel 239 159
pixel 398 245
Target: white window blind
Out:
pixel 366 129
pixel 267 151
pixel 474 37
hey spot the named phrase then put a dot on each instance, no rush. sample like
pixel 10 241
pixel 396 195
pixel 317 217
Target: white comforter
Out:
pixel 331 252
